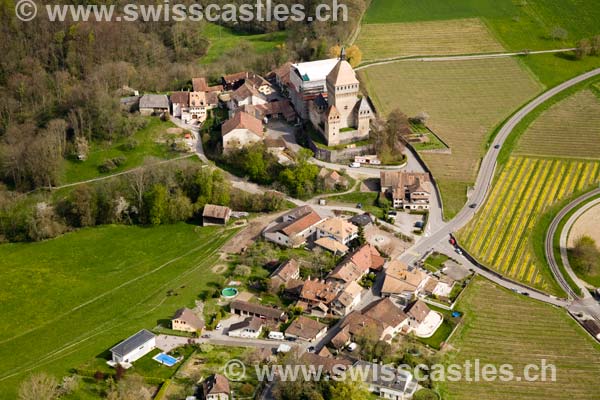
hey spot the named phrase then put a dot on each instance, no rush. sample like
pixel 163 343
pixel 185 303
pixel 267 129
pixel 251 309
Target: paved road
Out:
pixel 585 303
pixel 485 177
pixel 551 234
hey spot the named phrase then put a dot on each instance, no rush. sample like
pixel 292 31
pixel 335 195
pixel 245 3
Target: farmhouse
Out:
pixel 332 245
pixel 153 104
pixel 341 117
pixel 246 94
pixel 215 215
pixel 347 300
pixel 306 329
pixel 294 228
pixel 402 282
pixel 285 273
pixel 180 104
pixel 134 347
pixel 337 229
pixel 316 292
pixel 244 308
pixel 240 131
pixel 409 190
pixel 216 387
pixel 325 363
pixel 186 320
pixel 251 327
pixel 200 103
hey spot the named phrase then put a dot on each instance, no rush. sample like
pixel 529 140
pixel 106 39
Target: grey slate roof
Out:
pixel 132 342
pixel 154 101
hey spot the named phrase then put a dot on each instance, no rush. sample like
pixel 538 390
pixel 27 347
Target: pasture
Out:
pixel 150 142
pixel 466 100
pixel 501 234
pixel 378 41
pixel 223 39
pixel 67 300
pixel 570 128
pixel 501 327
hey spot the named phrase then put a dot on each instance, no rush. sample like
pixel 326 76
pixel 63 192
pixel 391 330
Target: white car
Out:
pixel 352 346
pixel 219 326
pixel 354 165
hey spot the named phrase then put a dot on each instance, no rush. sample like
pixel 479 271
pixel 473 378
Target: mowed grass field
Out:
pixel 500 236
pixel 466 100
pixel 67 300
pixel 388 40
pixel 501 327
pixel 570 128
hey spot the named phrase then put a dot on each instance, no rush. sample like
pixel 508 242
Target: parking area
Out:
pixel 386 241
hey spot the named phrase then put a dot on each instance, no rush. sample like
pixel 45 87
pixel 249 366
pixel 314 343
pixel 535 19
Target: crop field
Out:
pixel 466 100
pixel 64 301
pixel 570 128
pixel 389 40
pixel 501 327
pixel 516 25
pixel 500 235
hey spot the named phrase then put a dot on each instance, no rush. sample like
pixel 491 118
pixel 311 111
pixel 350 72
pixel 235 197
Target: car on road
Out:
pixel 354 165
pixel 497 146
pixel 473 206
pixel 459 251
pixel 452 241
pixel 205 336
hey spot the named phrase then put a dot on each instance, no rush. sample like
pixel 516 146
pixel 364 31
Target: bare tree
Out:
pixel 39 386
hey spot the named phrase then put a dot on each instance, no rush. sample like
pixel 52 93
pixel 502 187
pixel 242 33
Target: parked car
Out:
pixel 311 349
pixel 205 336
pixel 352 346
pixel 354 165
pixel 273 335
pixel 459 251
pixel 219 326
pixel 359 206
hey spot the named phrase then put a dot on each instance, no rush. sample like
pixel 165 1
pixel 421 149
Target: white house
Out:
pixel 388 382
pixel 294 228
pixel 251 327
pixel 240 131
pixel 134 347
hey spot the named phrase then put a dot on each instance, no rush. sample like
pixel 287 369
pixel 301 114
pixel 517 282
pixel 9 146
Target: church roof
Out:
pixel 342 74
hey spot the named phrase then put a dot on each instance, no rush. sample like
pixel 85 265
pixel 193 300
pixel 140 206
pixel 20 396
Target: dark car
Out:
pixel 359 206
pixel 473 205
pixel 311 349
pixel 497 146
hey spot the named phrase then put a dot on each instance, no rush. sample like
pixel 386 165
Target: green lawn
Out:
pixel 436 261
pixel 223 39
pixel 501 327
pixel 147 147
pixel 68 300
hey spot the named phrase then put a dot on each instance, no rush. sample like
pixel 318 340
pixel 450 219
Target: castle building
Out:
pixel 341 114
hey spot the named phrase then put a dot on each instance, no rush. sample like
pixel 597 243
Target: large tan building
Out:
pixel 342 116
pixel 409 190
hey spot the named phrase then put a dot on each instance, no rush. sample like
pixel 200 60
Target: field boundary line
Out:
pixel 464 57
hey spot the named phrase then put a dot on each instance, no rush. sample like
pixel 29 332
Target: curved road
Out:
pixel 551 234
pixel 486 175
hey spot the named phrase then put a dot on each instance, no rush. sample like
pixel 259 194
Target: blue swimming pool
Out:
pixel 165 359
